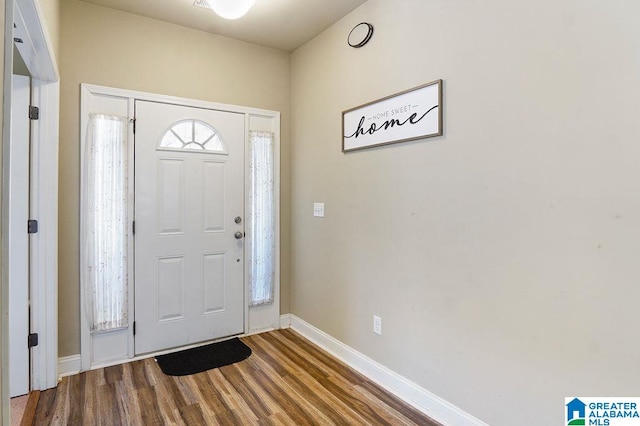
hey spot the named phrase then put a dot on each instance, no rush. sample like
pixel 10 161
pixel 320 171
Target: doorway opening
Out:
pixel 34 315
pixel 187 239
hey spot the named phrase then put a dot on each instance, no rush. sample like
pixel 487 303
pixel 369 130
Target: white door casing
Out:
pixel 24 20
pixel 189 262
pixel 19 239
pixel 109 348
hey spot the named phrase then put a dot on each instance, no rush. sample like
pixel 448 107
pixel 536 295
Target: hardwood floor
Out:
pixel 286 381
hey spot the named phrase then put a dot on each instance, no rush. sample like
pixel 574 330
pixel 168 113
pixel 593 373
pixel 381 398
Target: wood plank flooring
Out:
pixel 286 381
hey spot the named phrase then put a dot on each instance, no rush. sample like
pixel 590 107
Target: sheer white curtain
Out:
pixel 261 222
pixel 103 258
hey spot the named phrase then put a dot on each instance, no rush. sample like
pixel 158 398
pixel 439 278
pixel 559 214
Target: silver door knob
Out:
pixel 238 220
pixel 238 235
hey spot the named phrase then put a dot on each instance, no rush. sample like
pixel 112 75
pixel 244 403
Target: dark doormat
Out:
pixel 203 358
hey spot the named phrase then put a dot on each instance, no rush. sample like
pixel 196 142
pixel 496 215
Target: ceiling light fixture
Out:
pixel 231 9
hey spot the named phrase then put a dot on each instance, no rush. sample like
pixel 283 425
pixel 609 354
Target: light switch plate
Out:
pixel 377 325
pixel 318 209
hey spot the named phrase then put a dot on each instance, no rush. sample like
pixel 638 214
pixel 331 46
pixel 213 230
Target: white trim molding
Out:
pixel 44 244
pixel 7 65
pixel 420 398
pixel 69 365
pixel 285 321
pixel 36 49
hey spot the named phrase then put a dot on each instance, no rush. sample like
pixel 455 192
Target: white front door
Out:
pixel 189 225
pixel 18 237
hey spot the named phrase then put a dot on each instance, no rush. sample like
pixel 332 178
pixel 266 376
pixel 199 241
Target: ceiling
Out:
pixel 281 24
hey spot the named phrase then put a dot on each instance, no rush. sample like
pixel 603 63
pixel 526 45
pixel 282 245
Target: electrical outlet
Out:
pixel 377 325
pixel 318 209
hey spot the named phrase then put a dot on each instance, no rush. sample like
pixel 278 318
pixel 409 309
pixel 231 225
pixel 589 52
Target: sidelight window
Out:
pixel 103 257
pixel 262 218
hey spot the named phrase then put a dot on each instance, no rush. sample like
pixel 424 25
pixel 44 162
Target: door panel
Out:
pixel 171 289
pixel 213 212
pixel 18 238
pixel 189 283
pixel 171 196
pixel 215 277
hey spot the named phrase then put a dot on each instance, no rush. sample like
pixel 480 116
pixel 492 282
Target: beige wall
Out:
pixel 51 12
pixel 503 256
pixel 111 48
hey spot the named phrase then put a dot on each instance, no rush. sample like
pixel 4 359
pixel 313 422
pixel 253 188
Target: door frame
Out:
pixel 111 348
pixel 39 58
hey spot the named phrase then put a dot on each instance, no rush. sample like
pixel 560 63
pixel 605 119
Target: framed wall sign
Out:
pixel 413 114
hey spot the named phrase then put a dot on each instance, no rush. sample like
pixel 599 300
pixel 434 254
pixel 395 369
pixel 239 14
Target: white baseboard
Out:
pixel 69 365
pixel 285 321
pixel 420 398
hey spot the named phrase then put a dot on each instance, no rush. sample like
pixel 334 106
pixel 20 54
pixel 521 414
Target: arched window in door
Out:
pixel 193 135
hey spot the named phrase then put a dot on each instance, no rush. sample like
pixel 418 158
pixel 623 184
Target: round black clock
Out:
pixel 360 35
